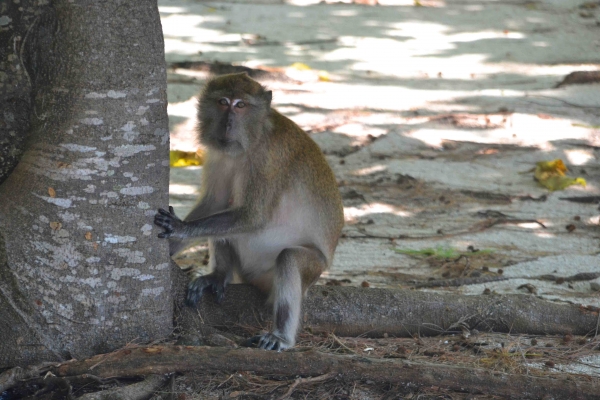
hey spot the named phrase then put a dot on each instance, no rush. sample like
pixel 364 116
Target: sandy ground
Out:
pixel 432 118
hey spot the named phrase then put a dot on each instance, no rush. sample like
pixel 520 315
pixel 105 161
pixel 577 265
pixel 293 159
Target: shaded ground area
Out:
pixel 432 118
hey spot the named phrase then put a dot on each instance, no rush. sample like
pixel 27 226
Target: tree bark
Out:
pixel 81 271
pixel 349 311
pixel 16 20
pixel 167 359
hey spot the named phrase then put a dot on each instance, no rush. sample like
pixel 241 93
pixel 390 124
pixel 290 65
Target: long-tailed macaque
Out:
pixel 270 206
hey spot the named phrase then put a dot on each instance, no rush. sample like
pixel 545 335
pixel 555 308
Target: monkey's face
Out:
pixel 232 113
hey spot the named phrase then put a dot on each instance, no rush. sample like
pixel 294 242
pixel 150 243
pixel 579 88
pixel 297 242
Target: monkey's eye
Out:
pixel 223 102
pixel 240 104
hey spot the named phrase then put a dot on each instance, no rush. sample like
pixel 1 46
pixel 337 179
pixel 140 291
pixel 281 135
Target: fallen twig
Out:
pixel 338 341
pixel 300 381
pixel 557 99
pixel 583 199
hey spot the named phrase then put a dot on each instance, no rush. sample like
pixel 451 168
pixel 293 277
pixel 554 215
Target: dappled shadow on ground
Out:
pixel 431 118
pixel 475 57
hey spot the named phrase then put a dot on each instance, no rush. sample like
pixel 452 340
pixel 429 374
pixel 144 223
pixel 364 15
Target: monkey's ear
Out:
pixel 268 96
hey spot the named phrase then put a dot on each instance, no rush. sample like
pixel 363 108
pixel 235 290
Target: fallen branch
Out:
pixel 311 363
pixel 349 311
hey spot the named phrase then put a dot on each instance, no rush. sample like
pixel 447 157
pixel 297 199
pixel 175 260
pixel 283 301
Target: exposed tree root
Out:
pixel 136 391
pixel 312 363
pixel 349 311
pixel 13 376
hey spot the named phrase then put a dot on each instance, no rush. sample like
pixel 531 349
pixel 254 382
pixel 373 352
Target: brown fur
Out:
pixel 270 203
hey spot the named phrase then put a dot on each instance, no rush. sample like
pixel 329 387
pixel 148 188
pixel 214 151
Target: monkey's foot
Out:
pixel 169 222
pixel 268 341
pixel 197 287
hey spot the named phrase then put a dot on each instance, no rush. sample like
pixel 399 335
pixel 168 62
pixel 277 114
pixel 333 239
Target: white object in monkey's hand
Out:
pixel 270 206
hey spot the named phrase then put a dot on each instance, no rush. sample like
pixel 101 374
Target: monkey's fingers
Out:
pixel 194 293
pixel 219 291
pixel 251 341
pixel 197 287
pixel 164 212
pixel 165 235
pixel 164 221
pixel 270 341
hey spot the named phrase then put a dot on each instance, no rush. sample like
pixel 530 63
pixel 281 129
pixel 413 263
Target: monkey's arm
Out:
pixel 200 210
pixel 203 208
pixel 225 223
pixel 252 215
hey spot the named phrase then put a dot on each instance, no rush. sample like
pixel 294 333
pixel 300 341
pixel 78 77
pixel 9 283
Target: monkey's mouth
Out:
pixel 229 145
pixel 226 142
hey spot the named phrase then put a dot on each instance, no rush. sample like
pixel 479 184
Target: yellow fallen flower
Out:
pixel 178 158
pixel 551 175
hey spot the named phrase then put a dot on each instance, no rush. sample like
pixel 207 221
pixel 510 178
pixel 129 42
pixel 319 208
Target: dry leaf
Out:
pixel 51 192
pixel 554 167
pixel 88 235
pixel 300 66
pixel 55 225
pixel 324 76
pixel 562 182
pixel 551 175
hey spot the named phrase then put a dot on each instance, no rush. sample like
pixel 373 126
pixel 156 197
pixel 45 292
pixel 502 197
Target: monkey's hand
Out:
pixel 167 220
pixel 268 341
pixel 198 285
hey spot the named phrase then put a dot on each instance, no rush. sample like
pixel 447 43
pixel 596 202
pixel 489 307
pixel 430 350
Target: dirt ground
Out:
pixel 432 115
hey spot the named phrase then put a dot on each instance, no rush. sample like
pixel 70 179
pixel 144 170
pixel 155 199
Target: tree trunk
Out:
pixel 81 270
pixel 15 88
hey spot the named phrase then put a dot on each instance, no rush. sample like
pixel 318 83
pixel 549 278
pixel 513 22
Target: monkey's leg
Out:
pixel 296 269
pixel 223 260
